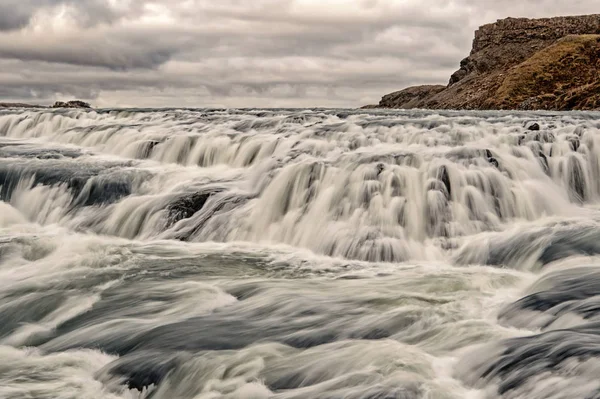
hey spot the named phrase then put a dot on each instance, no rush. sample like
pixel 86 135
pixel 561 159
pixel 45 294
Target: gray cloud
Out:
pixel 15 14
pixel 85 50
pixel 240 53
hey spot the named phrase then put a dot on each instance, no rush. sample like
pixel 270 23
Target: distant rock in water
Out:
pixel 58 104
pixel 19 105
pixel 71 104
pixel 522 64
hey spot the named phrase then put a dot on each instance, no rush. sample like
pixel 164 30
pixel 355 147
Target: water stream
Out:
pixel 299 254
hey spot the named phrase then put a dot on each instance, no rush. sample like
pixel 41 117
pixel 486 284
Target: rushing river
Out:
pixel 317 254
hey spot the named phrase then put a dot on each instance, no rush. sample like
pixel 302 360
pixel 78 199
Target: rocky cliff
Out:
pixel 520 63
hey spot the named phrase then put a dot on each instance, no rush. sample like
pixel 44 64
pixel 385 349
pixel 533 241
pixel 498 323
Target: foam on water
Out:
pixel 298 254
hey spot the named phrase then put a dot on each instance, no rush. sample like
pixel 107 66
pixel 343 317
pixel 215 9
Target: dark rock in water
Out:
pixel 544 161
pixel 143 369
pixel 147 148
pixel 543 137
pixel 19 105
pixel 186 206
pixel 89 184
pixel 533 126
pixel 99 190
pixel 71 104
pixel 490 158
pixel 437 208
pixel 217 201
pixel 436 185
pixel 443 176
pixel 295 119
pixel 576 174
pixel 574 142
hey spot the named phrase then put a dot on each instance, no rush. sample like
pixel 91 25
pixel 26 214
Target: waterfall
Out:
pixel 300 253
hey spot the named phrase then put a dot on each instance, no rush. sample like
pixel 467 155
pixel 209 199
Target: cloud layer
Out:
pixel 238 53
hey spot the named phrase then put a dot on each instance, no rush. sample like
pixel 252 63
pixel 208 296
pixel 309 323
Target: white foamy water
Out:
pixel 299 254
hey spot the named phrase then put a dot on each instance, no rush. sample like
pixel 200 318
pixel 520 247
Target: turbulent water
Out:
pixel 299 254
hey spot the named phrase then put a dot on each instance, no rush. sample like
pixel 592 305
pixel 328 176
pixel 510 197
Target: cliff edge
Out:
pixel 520 63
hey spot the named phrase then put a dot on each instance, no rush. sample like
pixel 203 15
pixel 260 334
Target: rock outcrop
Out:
pixel 71 104
pixel 520 63
pixel 410 97
pixel 58 104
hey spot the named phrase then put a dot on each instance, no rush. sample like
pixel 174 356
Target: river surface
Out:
pixel 290 254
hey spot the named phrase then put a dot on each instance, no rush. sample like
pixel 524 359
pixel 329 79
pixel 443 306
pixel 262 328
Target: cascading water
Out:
pixel 299 254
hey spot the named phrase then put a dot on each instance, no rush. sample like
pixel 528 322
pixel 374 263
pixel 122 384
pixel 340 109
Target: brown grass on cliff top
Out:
pixel 557 77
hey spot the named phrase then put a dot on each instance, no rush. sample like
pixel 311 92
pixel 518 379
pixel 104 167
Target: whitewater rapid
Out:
pixel 218 253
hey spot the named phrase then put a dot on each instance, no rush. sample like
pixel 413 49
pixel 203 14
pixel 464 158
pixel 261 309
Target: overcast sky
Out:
pixel 241 53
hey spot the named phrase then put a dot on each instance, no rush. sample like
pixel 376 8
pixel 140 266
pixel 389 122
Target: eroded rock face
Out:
pixel 511 41
pixel 520 63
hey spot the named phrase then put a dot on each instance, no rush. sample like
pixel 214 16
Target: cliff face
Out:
pixel 519 63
